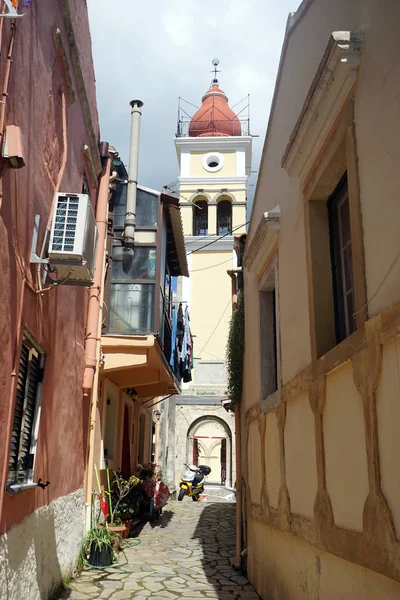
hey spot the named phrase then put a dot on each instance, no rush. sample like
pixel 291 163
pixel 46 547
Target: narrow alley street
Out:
pixel 186 555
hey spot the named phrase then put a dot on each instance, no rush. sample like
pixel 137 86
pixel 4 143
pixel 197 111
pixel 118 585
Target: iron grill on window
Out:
pixel 224 217
pixel 200 217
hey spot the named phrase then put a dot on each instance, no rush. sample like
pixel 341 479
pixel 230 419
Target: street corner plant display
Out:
pixel 235 353
pixel 128 498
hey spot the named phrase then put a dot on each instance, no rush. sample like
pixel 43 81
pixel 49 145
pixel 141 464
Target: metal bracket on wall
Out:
pixel 34 256
pixel 16 488
pixel 12 11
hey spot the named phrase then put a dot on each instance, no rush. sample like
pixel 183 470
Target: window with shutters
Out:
pixel 26 414
pixel 341 261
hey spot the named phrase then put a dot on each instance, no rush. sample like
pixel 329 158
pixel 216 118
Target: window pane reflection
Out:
pixel 132 308
pixel 137 264
pixel 146 207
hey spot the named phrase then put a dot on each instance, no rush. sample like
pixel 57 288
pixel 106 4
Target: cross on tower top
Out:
pixel 215 63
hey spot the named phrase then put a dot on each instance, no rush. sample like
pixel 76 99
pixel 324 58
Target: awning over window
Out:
pixel 138 362
pixel 176 252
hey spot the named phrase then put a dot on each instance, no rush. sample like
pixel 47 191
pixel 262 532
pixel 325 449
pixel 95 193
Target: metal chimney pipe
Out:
pixel 130 215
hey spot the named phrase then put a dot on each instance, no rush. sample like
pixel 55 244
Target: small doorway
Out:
pixel 196 452
pixel 142 435
pixel 211 451
pixel 126 445
pixel 223 461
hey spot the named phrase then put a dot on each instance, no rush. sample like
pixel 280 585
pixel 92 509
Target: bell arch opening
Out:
pixel 200 216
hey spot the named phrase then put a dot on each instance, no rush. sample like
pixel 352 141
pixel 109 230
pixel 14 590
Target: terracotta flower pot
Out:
pixel 127 523
pixel 120 532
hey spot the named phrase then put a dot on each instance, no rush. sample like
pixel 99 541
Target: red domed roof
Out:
pixel 214 118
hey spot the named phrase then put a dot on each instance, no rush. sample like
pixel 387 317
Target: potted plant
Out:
pixel 97 546
pixel 148 471
pixel 125 496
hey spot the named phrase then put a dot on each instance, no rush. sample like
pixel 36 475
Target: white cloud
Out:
pixel 159 50
pixel 178 24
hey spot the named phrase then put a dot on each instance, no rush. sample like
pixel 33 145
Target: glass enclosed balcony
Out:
pixel 139 290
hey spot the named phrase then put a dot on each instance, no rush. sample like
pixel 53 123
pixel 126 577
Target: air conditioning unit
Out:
pixel 73 239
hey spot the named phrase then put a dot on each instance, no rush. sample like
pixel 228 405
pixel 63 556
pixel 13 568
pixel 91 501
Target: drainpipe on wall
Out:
pixel 94 308
pixel 130 216
pixel 94 323
pixel 232 274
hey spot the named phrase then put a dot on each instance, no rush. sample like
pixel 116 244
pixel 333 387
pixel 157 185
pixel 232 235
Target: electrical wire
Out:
pixel 218 238
pixel 212 266
pixel 184 197
pixel 380 285
pixel 211 354
pixel 215 328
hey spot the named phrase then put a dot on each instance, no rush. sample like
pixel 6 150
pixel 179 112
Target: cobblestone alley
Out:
pixel 186 555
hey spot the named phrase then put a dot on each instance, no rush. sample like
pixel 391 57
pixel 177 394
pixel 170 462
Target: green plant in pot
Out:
pixel 97 547
pixel 125 502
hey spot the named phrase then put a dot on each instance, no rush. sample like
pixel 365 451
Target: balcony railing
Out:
pixel 184 123
pixel 200 226
pixel 224 225
pixel 167 338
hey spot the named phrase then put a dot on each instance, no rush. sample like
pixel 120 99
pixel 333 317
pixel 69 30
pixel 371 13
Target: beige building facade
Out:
pixel 320 408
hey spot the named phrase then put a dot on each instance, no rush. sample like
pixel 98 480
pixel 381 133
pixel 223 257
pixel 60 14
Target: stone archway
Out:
pixel 209 442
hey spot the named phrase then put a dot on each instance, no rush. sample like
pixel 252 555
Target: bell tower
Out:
pixel 213 146
pixel 214 154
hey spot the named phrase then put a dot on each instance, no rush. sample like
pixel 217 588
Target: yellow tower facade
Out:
pixel 214 162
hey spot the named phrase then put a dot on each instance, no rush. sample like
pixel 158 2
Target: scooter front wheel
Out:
pixel 182 494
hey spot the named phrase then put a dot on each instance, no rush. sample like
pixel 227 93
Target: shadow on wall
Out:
pixel 216 531
pixel 29 558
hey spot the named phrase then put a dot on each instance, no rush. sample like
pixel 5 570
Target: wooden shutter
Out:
pixel 29 376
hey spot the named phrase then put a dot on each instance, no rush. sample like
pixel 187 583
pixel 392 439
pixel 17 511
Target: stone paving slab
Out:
pixel 186 556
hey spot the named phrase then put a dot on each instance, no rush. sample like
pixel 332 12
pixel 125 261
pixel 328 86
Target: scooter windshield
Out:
pixel 189 475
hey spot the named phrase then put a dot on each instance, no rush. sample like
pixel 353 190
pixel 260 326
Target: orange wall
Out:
pixel 56 319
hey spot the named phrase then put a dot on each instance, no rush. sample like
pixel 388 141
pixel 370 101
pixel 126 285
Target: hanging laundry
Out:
pixel 172 360
pixel 186 351
pixel 180 326
pixel 191 351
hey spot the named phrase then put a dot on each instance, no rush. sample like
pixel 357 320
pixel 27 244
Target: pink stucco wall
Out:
pixel 56 319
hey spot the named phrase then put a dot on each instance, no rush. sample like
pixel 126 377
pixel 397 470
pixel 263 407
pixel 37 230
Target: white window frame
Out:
pixel 213 157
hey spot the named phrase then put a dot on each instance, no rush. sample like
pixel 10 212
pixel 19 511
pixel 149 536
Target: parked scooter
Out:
pixel 192 482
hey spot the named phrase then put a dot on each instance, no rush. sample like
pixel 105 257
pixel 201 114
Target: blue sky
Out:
pixel 161 50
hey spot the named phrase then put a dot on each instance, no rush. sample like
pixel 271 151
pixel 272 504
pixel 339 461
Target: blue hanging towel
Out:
pixel 173 337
